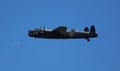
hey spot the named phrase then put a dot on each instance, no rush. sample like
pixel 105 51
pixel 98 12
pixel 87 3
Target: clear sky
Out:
pixel 18 52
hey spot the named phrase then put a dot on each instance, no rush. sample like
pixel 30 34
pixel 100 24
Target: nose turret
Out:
pixel 34 33
pixel 30 33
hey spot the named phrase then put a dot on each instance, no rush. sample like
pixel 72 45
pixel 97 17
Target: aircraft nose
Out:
pixel 30 33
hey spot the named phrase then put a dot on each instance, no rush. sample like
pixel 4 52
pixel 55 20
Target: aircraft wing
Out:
pixel 60 30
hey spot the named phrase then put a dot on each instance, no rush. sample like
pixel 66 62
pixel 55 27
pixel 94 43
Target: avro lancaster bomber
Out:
pixel 61 32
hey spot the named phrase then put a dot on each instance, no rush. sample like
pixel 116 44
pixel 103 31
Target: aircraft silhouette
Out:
pixel 61 32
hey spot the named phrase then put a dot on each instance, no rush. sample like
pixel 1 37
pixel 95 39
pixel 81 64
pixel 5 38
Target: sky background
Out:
pixel 18 52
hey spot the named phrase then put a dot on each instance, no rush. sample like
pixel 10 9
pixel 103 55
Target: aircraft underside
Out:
pixel 66 36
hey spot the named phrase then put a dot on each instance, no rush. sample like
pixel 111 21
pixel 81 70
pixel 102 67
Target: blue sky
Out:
pixel 18 52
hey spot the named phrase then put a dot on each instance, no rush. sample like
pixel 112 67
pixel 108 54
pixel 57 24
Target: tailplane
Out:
pixel 92 32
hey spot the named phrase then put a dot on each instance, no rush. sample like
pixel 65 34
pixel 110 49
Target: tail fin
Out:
pixel 86 29
pixel 44 29
pixel 92 29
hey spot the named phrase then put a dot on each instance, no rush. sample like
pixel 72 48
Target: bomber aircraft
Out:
pixel 61 32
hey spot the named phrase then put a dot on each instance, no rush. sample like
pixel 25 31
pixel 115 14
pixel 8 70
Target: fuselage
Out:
pixel 66 35
pixel 61 32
